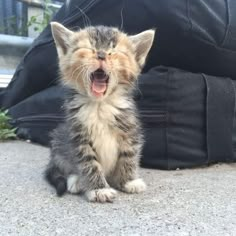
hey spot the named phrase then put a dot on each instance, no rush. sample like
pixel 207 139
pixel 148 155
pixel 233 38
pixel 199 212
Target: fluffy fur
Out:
pixel 98 147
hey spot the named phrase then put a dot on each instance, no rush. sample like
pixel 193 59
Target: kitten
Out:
pixel 98 147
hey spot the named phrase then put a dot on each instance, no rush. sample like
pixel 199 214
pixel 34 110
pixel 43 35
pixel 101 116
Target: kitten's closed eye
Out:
pixel 120 52
pixel 84 49
pixel 100 48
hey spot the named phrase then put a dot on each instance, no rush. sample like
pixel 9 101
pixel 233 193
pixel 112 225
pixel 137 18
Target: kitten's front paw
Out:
pixel 101 195
pixel 135 186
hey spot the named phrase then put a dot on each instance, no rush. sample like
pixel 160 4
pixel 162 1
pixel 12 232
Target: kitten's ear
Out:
pixel 142 43
pixel 62 37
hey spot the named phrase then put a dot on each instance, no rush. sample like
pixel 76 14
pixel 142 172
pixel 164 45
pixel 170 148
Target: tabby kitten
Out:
pixel 98 147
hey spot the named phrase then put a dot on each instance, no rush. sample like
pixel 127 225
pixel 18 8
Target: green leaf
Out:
pixel 6 131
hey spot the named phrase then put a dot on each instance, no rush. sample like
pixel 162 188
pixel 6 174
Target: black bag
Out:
pixel 188 118
pixel 196 36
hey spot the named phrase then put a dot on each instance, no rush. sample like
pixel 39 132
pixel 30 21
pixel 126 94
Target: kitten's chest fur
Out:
pixel 99 119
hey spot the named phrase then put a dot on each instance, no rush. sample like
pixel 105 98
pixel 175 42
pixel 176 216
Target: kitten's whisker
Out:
pixel 81 72
pixel 67 6
pixel 86 78
pixel 138 89
pixel 88 72
pixel 75 70
pixel 132 84
pixel 130 70
pixel 85 65
pixel 57 79
pixel 77 78
pixel 126 67
pixel 73 28
pixel 116 78
pixel 86 20
pixel 122 18
pixel 122 67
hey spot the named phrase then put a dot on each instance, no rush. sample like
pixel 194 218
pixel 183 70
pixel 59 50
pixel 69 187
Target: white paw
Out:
pixel 101 195
pixel 73 184
pixel 135 186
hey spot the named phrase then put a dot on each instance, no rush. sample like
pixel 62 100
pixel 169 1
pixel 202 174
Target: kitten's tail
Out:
pixel 56 179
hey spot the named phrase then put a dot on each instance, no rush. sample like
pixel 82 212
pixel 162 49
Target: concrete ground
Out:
pixel 185 202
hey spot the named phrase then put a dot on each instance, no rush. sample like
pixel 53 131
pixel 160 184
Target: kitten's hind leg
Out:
pixel 73 184
pixel 54 176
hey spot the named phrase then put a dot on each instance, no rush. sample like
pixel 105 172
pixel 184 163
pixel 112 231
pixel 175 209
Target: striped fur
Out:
pixel 98 147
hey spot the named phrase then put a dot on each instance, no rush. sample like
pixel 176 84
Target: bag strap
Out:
pixel 220 110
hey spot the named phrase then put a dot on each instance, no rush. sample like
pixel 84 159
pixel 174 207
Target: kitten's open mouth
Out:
pixel 99 80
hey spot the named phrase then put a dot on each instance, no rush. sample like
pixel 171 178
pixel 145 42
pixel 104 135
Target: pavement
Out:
pixel 199 201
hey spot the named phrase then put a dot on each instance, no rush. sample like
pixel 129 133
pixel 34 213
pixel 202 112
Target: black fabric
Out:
pixel 187 121
pixel 38 115
pixel 196 36
pixel 220 115
pixel 188 116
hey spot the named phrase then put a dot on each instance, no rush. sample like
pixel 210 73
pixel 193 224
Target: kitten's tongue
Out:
pixel 99 87
pixel 99 82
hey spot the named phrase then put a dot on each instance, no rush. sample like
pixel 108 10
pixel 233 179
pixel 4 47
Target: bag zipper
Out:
pixel 149 118
pixel 37 118
pixel 153 118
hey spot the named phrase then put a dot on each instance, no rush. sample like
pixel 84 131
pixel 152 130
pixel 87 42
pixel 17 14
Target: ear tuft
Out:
pixel 62 37
pixel 142 43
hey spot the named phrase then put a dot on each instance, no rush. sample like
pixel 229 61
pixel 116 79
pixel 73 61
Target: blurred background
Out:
pixel 26 17
pixel 21 21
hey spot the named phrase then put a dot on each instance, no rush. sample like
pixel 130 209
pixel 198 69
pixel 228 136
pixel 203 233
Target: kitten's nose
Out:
pixel 101 55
